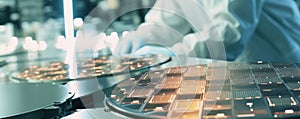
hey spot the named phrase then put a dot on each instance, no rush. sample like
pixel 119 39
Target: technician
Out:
pixel 249 30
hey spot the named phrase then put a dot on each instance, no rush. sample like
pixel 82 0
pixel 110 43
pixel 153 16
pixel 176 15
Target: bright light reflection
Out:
pixel 2 28
pixel 60 42
pixel 114 40
pixel 42 46
pixel 78 22
pixel 69 31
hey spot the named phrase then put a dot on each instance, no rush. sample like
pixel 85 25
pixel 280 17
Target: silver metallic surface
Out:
pixel 17 98
pixel 22 98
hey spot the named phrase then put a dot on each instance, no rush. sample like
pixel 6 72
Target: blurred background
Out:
pixel 26 23
pixel 37 24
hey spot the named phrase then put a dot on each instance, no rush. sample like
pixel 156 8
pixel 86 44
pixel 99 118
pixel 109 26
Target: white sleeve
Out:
pixel 164 24
pixel 222 21
pixel 235 22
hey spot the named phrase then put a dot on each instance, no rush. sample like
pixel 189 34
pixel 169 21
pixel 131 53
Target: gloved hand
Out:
pixel 153 49
pixel 129 43
pixel 134 43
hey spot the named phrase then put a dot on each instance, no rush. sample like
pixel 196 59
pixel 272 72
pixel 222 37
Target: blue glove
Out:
pixel 153 49
pixel 128 44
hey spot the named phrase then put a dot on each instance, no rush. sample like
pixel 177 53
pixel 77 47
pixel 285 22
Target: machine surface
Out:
pixel 19 99
pixel 224 90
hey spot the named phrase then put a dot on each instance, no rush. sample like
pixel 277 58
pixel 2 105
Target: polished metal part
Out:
pixel 17 99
